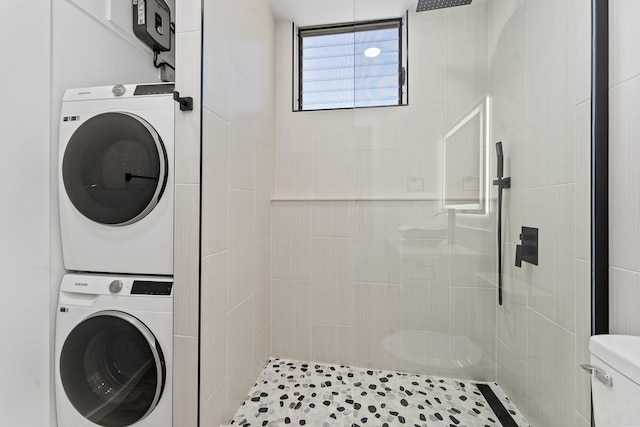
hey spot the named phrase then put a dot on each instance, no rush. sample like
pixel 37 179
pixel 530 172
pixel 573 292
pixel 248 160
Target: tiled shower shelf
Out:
pixel 310 394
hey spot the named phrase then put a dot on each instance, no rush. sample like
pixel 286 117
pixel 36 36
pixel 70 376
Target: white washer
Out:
pixel 116 179
pixel 113 351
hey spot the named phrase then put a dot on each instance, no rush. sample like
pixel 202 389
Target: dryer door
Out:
pixel 112 369
pixel 115 168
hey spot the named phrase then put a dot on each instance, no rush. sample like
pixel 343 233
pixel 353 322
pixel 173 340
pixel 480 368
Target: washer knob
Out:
pixel 119 90
pixel 115 286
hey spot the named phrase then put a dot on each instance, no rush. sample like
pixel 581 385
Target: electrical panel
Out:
pixel 152 24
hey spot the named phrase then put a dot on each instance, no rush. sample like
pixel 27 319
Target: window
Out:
pixel 350 65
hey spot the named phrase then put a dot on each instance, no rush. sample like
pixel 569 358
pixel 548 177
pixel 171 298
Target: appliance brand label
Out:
pixel 141 12
pixel 70 118
pixel 81 284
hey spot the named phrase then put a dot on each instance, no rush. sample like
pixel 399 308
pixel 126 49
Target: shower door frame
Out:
pixel 600 167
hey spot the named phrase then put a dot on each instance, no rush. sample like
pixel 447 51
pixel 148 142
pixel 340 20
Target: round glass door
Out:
pixel 112 369
pixel 115 168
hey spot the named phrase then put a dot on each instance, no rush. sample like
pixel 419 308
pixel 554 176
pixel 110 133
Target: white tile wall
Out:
pixel 624 232
pixel 238 180
pixel 342 271
pixel 187 221
pixel 540 79
pixel 531 57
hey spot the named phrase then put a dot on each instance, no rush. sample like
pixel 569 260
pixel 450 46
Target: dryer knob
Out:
pixel 115 286
pixel 119 90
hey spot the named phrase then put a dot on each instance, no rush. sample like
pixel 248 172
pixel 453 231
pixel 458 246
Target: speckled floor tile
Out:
pixel 298 393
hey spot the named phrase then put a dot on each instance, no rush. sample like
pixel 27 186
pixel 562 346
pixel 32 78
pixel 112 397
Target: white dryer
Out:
pixel 113 351
pixel 116 179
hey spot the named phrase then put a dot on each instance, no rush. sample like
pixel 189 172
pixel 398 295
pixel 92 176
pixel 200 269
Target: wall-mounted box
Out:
pixel 152 24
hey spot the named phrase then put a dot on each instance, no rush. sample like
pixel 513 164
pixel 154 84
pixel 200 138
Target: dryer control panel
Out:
pixel 147 287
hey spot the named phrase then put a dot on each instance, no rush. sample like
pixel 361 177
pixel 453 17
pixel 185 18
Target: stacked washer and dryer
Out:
pixel 114 323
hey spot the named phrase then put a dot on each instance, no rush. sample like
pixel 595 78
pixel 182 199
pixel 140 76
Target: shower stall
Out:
pixel 358 247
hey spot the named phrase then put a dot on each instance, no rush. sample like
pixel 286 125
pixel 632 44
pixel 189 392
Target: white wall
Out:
pixel 540 84
pixel 24 215
pixel 624 190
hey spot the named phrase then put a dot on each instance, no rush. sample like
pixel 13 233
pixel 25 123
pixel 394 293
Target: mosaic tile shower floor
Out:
pixel 298 393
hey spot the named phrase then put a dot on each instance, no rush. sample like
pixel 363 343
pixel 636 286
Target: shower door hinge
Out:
pixel 186 103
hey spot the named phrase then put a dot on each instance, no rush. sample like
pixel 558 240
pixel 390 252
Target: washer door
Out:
pixel 112 369
pixel 115 168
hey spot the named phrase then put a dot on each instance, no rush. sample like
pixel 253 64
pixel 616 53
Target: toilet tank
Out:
pixel 615 382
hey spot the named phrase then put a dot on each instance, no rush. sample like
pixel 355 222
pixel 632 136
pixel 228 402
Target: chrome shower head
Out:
pixel 424 5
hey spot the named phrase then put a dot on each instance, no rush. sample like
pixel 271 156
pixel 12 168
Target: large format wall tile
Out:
pixel 214 410
pixel 213 338
pixel 290 320
pixel 215 184
pixel 240 364
pixel 262 285
pixel 625 41
pixel 332 288
pixel 377 261
pixel 550 144
pixel 427 74
pixel 264 183
pixel 550 373
pixel 332 344
pixel 187 132
pixel 509 74
pixel 238 182
pixel 512 314
pixel 552 281
pixel 216 87
pixel 291 243
pixel 583 334
pixel 242 123
pixel 333 219
pixel 186 260
pixel 512 376
pixel 623 176
pixel 467 32
pixel 624 293
pixel 241 247
pixel 583 180
pixel 546 27
pixel 378 318
pixel 472 312
pixel 185 381
pixel 421 136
